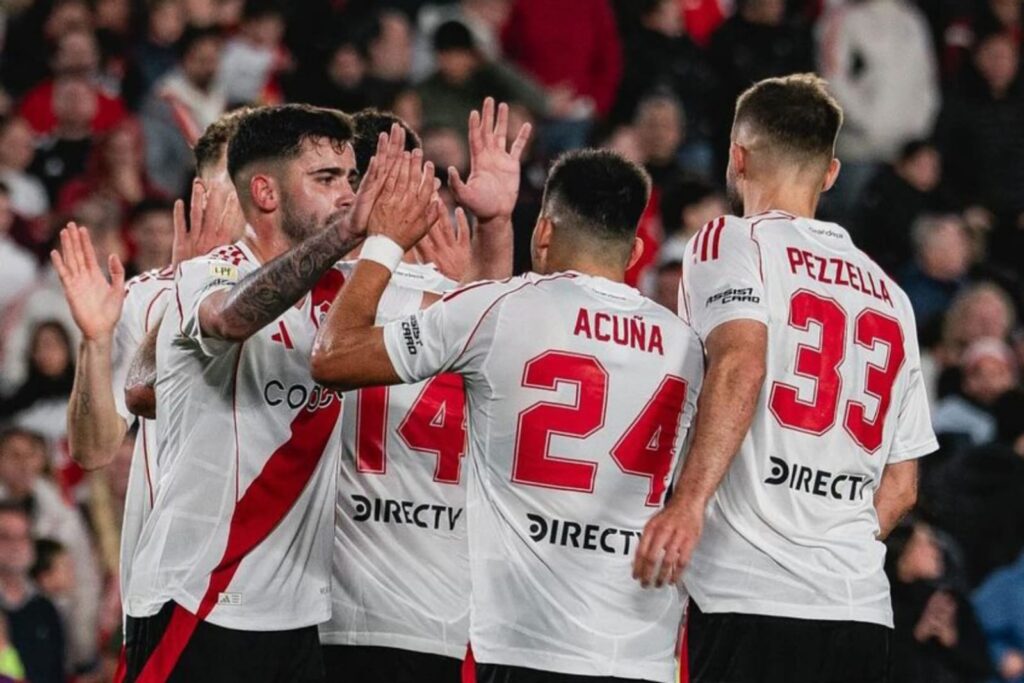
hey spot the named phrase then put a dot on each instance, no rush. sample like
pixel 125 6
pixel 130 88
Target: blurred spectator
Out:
pixel 660 55
pixel 893 200
pixel 983 310
pixel 22 482
pixel 390 49
pixel 30 36
pixel 879 60
pixel 152 233
pixel 408 106
pixel 77 56
pixel 1000 605
pixel 666 284
pixel 464 77
pixel 445 147
pixel 971 22
pixel 62 154
pixel 581 66
pixel 345 82
pixel 19 267
pixel 755 43
pixel 46 300
pixel 35 628
pixel 182 104
pixel 41 402
pixel 156 52
pixel 53 573
pixel 11 668
pixel 483 18
pixel 660 130
pixel 687 205
pixel 942 254
pixel 982 132
pixel 989 376
pixel 17 148
pixel 254 55
pixel 115 171
pixel 937 638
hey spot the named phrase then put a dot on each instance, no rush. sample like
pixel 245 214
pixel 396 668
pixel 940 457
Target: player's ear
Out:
pixel 263 190
pixel 738 158
pixel 831 174
pixel 636 253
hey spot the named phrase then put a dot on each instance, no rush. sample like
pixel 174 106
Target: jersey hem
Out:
pixel 575 665
pixel 914 453
pixel 779 609
pixel 410 643
pixel 263 621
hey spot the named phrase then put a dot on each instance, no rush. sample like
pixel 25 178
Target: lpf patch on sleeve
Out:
pixel 224 271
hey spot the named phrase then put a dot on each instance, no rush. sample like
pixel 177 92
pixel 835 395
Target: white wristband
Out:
pixel 382 250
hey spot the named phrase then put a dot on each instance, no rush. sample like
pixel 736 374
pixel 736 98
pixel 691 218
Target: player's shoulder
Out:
pixel 498 290
pixel 234 254
pixel 141 289
pixel 721 236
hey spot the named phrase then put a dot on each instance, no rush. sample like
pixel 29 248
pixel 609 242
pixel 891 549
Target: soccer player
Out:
pixel 114 318
pixel 579 391
pixel 812 415
pixel 232 571
pixel 401 571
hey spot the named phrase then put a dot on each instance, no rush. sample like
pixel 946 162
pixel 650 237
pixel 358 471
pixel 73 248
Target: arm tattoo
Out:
pixel 261 297
pixel 84 403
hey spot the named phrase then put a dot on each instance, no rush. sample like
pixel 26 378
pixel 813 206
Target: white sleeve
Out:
pixel 722 278
pixel 915 436
pixel 195 280
pixel 143 306
pixel 443 336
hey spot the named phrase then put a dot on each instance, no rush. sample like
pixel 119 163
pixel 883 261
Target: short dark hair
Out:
pixel 681 194
pixel 369 124
pixel 796 114
pixel 47 552
pixel 214 140
pixel 913 148
pixel 453 35
pixel 598 193
pixel 13 508
pixel 277 133
pixel 150 205
pixel 196 34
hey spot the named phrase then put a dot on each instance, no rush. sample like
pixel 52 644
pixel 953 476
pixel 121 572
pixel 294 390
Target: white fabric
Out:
pixel 146 300
pixel 401 566
pixel 383 250
pixel 244 512
pixel 551 551
pixel 879 59
pixel 791 530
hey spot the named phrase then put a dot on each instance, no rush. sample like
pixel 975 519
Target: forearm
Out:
pixel 491 251
pixel 262 296
pixel 140 385
pixel 348 348
pixel 95 429
pixel 896 496
pixel 725 410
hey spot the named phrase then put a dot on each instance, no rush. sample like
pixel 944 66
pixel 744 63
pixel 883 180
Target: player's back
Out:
pixel 579 391
pixel 791 530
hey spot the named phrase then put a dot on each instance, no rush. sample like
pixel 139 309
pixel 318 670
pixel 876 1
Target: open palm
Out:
pixel 95 303
pixel 493 184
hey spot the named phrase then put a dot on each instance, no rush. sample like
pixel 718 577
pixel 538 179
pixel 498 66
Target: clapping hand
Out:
pixel 214 219
pixel 95 303
pixel 492 188
pixel 447 246
pixel 407 205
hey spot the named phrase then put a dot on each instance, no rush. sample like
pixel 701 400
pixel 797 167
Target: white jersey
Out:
pixel 579 391
pixel 240 532
pixel 401 565
pixel 146 298
pixel 791 530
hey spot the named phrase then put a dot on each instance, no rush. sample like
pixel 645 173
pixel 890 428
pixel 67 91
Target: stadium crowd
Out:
pixel 99 100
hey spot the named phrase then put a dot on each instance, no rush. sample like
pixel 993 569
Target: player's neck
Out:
pixel 788 197
pixel 585 266
pixel 265 240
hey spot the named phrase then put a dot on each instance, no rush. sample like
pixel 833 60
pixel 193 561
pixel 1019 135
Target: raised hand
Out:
pixel 493 185
pixel 95 303
pixel 407 205
pixel 386 159
pixel 447 247
pixel 215 219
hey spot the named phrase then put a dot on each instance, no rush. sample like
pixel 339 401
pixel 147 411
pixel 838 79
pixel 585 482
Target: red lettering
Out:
pixel 620 331
pixel 598 334
pixel 582 324
pixel 839 272
pixel 808 256
pixel 796 258
pixel 656 340
pixel 885 293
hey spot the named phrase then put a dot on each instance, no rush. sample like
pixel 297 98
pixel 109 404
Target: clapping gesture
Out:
pixel 95 303
pixel 491 190
pixel 407 204
pixel 214 220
